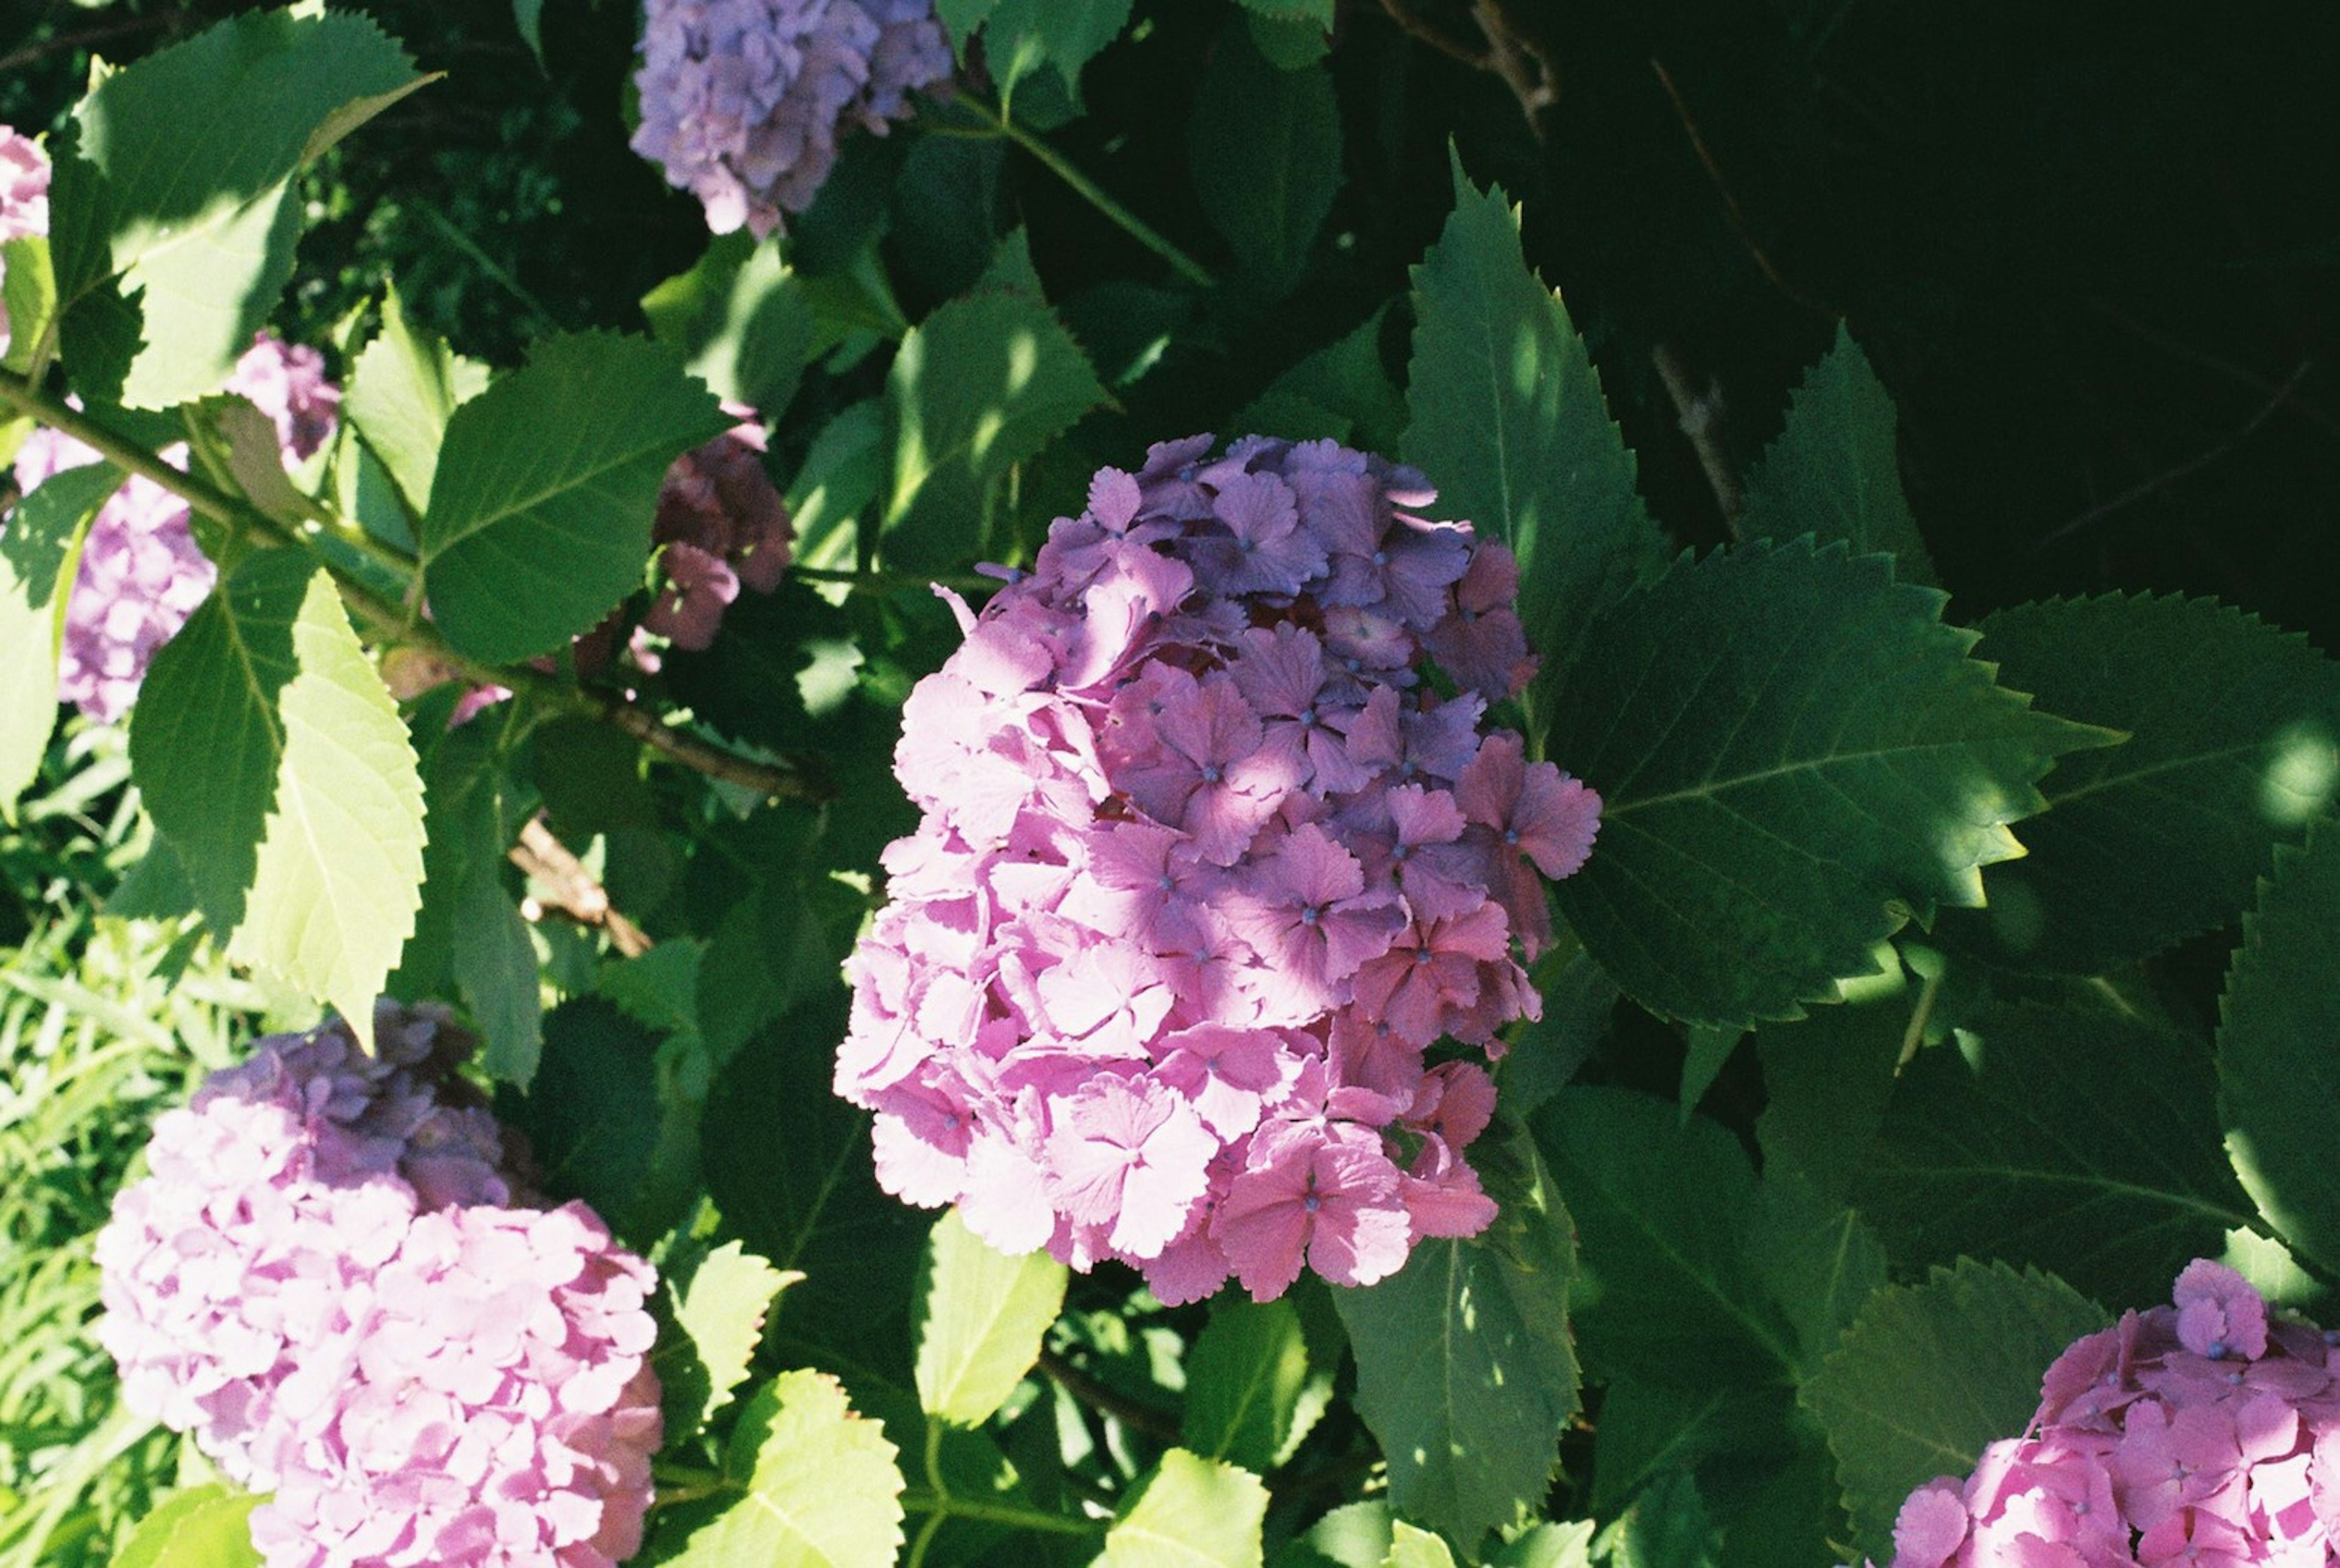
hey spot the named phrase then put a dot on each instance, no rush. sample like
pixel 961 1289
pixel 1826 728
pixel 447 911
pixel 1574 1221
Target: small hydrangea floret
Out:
pixel 743 100
pixel 2201 1433
pixel 1217 842
pixel 339 1281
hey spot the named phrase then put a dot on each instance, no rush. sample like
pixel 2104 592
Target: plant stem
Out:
pixel 393 626
pixel 896 581
pixel 945 1506
pixel 1089 191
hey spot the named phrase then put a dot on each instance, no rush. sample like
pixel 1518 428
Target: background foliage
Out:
pixel 1916 477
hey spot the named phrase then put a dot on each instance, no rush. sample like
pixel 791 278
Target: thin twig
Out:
pixel 575 891
pixel 1413 22
pixel 1507 52
pixel 1730 207
pixel 1701 416
pixel 32 54
pixel 2241 376
pixel 2186 470
pixel 1158 1424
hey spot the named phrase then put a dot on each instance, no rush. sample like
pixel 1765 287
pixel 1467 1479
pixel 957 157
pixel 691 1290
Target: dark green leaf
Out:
pixel 980 1320
pixel 546 487
pixel 1817 1259
pixel 1795 756
pixel 980 386
pixel 1347 380
pixel 1021 34
pixel 2081 1140
pixel 1709 1048
pixel 1835 471
pixel 1666 1527
pixel 593 1113
pixel 1827 1079
pixel 2278 1076
pixel 1465 1368
pixel 1509 422
pixel 2233 748
pixel 1579 1000
pixel 1264 147
pixel 1191 1513
pixel 40 544
pixel 273 761
pixel 1665 1291
pixel 1931 1373
pixel 1251 1395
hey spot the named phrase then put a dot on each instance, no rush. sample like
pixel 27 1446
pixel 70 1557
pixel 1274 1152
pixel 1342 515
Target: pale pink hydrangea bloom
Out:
pixel 1208 862
pixel 335 1280
pixel 2199 1433
pixel 742 100
pixel 142 574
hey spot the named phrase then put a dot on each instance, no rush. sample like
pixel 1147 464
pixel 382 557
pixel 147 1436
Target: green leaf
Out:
pixel 1412 1548
pixel 1318 13
pixel 1835 470
pixel 28 298
pixel 235 446
pixel 1251 1395
pixel 1666 1527
pixel 742 319
pixel 1665 1291
pixel 1548 1546
pixel 205 242
pixel 469 936
pixel 1289 46
pixel 1931 1374
pixel 1819 1260
pixel 1348 383
pixel 1827 1080
pixel 980 386
pixel 1355 1535
pixel 40 548
pixel 273 761
pixel 404 387
pixel 528 16
pixel 821 1487
pixel 980 1320
pixel 1263 145
pixel 1465 1369
pixel 1191 1513
pixel 1709 1048
pixel 1795 756
pixel 1020 35
pixel 1579 1001
pixel 2083 1141
pixel 546 488
pixel 2277 1075
pixel 1648 1430
pixel 201 1527
pixel 2233 748
pixel 716 1303
pixel 1509 422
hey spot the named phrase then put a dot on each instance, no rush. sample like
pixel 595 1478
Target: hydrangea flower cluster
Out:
pixel 2199 1433
pixel 23 199
pixel 141 573
pixel 723 526
pixel 335 1279
pixel 1209 858
pixel 742 100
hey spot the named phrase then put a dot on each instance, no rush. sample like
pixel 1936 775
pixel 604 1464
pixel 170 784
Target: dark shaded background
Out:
pixel 2090 248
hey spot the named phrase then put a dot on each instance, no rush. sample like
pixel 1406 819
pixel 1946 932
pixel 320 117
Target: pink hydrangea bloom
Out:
pixel 743 100
pixel 1212 853
pixel 141 574
pixel 23 199
pixel 2198 1433
pixel 336 1280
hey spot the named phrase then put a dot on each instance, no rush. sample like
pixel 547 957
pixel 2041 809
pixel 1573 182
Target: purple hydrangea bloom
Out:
pixel 2201 1433
pixel 141 573
pixel 1207 864
pixel 335 1279
pixel 742 100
